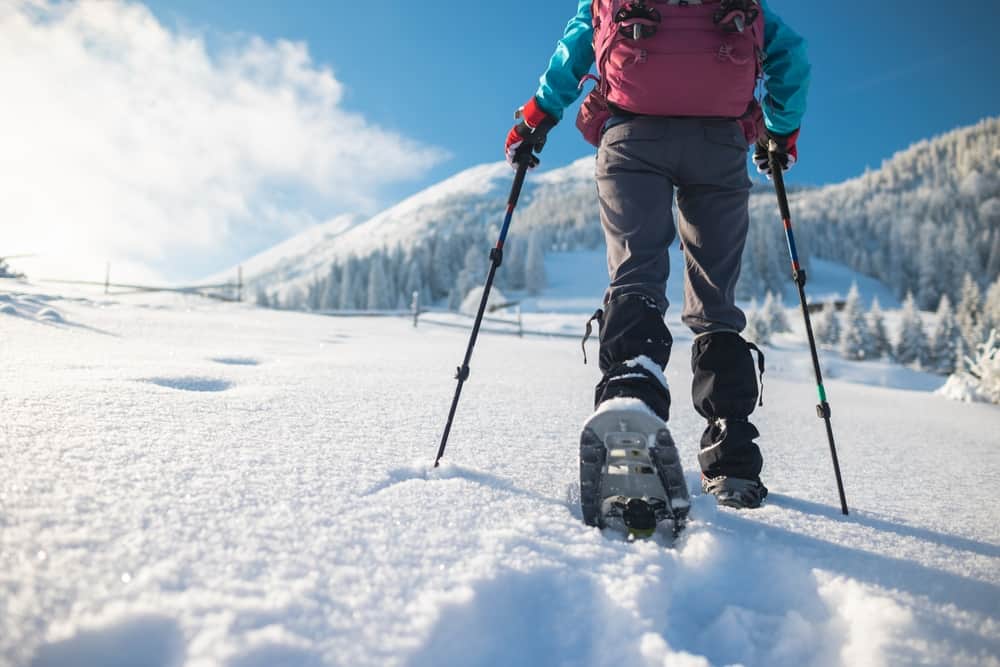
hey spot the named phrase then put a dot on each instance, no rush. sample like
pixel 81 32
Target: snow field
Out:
pixel 203 484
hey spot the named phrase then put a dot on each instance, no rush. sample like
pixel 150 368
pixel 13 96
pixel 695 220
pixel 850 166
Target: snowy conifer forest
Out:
pixel 920 223
pixel 926 224
pixel 925 219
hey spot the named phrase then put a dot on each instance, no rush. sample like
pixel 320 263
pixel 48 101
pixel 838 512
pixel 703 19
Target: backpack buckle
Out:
pixel 637 20
pixel 735 15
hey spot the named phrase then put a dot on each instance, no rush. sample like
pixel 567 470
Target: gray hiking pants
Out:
pixel 639 163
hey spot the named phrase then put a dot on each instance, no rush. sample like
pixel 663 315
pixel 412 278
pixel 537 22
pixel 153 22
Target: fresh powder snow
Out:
pixel 185 482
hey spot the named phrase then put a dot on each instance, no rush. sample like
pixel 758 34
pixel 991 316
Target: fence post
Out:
pixel 520 326
pixel 415 307
pixel 107 277
pixel 239 283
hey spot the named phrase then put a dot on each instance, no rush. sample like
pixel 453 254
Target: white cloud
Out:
pixel 126 140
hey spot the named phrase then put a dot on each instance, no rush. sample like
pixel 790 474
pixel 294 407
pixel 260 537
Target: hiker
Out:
pixel 674 107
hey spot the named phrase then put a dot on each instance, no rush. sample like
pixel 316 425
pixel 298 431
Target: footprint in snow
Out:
pixel 236 361
pixel 190 383
pixel 50 315
pixel 146 640
pixel 427 472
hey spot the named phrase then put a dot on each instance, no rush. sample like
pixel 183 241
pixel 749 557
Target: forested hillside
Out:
pixel 919 223
pixel 922 221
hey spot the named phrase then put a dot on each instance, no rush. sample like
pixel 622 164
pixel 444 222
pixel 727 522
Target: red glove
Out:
pixel 786 153
pixel 529 134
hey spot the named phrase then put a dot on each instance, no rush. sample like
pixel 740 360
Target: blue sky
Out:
pixel 177 138
pixel 887 73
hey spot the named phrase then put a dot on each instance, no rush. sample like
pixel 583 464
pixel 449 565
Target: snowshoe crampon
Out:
pixel 631 479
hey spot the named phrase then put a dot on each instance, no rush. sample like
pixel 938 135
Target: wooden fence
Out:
pixel 220 292
pixel 507 326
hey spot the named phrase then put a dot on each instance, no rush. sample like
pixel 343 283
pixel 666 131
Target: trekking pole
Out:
pixel 524 159
pixel 799 276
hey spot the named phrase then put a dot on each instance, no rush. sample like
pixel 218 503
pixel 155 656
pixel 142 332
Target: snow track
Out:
pixel 203 484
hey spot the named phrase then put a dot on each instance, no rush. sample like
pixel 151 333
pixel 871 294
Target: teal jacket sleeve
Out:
pixel 786 75
pixel 559 85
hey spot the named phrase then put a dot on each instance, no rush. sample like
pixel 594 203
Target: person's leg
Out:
pixel 635 188
pixel 713 195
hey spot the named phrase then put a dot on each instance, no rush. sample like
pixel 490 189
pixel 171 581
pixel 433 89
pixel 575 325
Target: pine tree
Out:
pixel 534 265
pixel 944 343
pixel 514 257
pixel 959 357
pixel 330 299
pixel 984 367
pixel 968 313
pixel 414 281
pixel 421 256
pixel 295 299
pixel 827 328
pixel 454 299
pixel 7 272
pixel 855 338
pixel 262 299
pixel 378 288
pixel 347 285
pixel 912 346
pixel 314 294
pixel 757 330
pixel 991 306
pixel 470 276
pixel 439 271
pixel 774 314
pixel 396 273
pixel 928 283
pixel 993 257
pixel 962 253
pixel 876 325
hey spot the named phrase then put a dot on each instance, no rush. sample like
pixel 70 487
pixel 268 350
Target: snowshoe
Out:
pixel 631 478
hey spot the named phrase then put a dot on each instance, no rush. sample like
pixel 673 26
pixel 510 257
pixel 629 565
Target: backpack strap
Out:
pixel 602 43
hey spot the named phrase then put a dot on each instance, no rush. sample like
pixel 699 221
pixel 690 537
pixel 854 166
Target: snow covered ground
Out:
pixel 190 483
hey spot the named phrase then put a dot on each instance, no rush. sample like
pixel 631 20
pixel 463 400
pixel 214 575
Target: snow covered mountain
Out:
pixel 432 231
pixel 922 220
pixel 284 262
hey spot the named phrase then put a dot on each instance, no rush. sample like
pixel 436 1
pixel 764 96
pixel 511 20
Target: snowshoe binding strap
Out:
pixel 735 492
pixel 637 20
pixel 760 370
pixel 598 316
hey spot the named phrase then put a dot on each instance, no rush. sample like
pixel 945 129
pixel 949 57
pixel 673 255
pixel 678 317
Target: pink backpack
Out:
pixel 675 58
